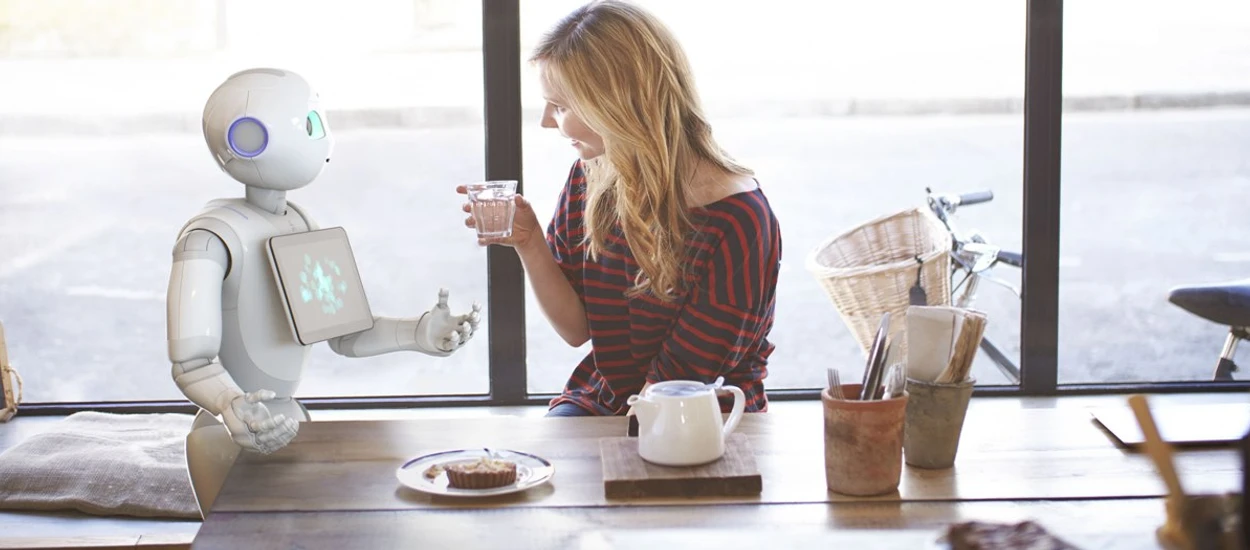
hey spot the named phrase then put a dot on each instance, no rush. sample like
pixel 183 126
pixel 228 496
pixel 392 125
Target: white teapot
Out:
pixel 680 424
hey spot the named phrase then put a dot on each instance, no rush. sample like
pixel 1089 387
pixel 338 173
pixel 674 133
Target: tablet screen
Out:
pixel 317 277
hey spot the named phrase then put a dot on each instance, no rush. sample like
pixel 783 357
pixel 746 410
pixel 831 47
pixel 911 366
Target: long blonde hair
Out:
pixel 626 77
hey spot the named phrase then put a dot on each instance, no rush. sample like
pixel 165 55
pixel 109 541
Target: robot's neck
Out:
pixel 271 200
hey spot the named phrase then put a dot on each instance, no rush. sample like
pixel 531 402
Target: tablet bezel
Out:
pixel 333 234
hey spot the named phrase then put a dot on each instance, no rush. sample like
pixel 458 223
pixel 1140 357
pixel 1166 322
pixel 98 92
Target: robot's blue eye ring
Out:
pixel 247 137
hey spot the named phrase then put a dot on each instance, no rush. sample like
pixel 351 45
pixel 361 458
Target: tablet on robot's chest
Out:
pixel 319 284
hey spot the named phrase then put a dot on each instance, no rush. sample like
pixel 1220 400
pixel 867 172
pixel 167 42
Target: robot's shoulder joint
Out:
pixel 198 244
pixel 212 235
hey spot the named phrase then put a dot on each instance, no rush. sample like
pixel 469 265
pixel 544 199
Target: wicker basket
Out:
pixel 870 270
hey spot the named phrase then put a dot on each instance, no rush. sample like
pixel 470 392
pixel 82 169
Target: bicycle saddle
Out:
pixel 1225 303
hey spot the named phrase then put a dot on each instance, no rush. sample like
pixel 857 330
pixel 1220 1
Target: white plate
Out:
pixel 531 471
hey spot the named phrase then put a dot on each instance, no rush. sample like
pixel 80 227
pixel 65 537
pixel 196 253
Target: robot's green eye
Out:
pixel 316 130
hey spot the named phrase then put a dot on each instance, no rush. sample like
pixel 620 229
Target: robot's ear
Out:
pixel 247 137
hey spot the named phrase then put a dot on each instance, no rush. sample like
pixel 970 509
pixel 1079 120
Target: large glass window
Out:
pixel 101 162
pixel 1155 175
pixel 847 112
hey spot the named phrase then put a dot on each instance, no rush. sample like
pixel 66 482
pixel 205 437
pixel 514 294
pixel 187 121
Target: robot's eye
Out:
pixel 312 123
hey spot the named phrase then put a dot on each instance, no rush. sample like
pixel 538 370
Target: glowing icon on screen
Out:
pixel 320 281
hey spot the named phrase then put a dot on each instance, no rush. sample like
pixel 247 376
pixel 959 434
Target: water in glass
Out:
pixel 493 205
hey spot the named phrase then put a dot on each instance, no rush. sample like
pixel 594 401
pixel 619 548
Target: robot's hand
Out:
pixel 440 333
pixel 252 426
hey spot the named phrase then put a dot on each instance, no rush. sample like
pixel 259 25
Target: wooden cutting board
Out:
pixel 627 475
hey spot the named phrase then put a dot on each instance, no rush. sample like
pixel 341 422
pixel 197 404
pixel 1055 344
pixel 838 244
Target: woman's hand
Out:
pixel 556 295
pixel 526 231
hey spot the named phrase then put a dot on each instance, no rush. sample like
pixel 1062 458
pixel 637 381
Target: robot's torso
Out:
pixel 257 347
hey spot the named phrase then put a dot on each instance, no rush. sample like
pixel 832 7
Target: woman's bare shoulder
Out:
pixel 717 189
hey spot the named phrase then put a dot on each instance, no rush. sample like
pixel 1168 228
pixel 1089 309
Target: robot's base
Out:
pixel 211 452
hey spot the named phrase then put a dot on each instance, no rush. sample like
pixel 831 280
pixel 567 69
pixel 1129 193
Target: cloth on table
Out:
pixel 103 464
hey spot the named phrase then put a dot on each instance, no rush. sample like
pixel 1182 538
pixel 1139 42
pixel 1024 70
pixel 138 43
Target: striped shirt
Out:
pixel 719 327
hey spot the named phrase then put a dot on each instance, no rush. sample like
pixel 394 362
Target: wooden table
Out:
pixel 334 486
pixel 1119 524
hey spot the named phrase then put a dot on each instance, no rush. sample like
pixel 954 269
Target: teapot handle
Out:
pixel 740 405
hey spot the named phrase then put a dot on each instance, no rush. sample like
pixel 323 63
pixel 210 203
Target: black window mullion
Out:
pixel 1043 117
pixel 505 312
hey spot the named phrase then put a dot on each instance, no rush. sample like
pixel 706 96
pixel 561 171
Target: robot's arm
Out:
pixel 437 333
pixel 194 324
pixel 194 321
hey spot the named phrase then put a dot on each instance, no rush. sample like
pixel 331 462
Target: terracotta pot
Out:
pixel 863 443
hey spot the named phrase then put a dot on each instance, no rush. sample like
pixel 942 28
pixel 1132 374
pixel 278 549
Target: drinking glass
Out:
pixel 493 204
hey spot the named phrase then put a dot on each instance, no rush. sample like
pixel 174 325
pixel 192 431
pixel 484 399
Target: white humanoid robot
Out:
pixel 254 282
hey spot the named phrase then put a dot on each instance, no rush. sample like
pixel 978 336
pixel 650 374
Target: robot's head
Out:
pixel 265 128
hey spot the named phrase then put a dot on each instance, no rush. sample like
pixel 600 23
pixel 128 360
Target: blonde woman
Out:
pixel 663 252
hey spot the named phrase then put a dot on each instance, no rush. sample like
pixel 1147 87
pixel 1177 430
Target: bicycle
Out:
pixel 972 260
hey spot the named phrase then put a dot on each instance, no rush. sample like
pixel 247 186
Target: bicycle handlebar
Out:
pixel 1011 258
pixel 977 197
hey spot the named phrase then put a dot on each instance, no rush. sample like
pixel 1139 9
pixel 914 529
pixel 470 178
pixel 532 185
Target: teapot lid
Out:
pixel 679 388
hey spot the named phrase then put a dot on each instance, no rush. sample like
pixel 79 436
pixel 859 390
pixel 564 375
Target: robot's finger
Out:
pixel 451 341
pixel 442 298
pixel 477 307
pixel 259 395
pixel 266 439
pixel 269 423
pixel 286 431
pixel 468 222
pixel 466 332
pixel 280 435
pixel 466 207
pixel 463 190
pixel 261 425
pixel 270 441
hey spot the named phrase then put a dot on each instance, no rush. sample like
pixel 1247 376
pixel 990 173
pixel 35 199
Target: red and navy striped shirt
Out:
pixel 718 327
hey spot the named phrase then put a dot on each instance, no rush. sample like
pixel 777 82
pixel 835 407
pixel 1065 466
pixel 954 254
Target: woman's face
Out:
pixel 558 114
